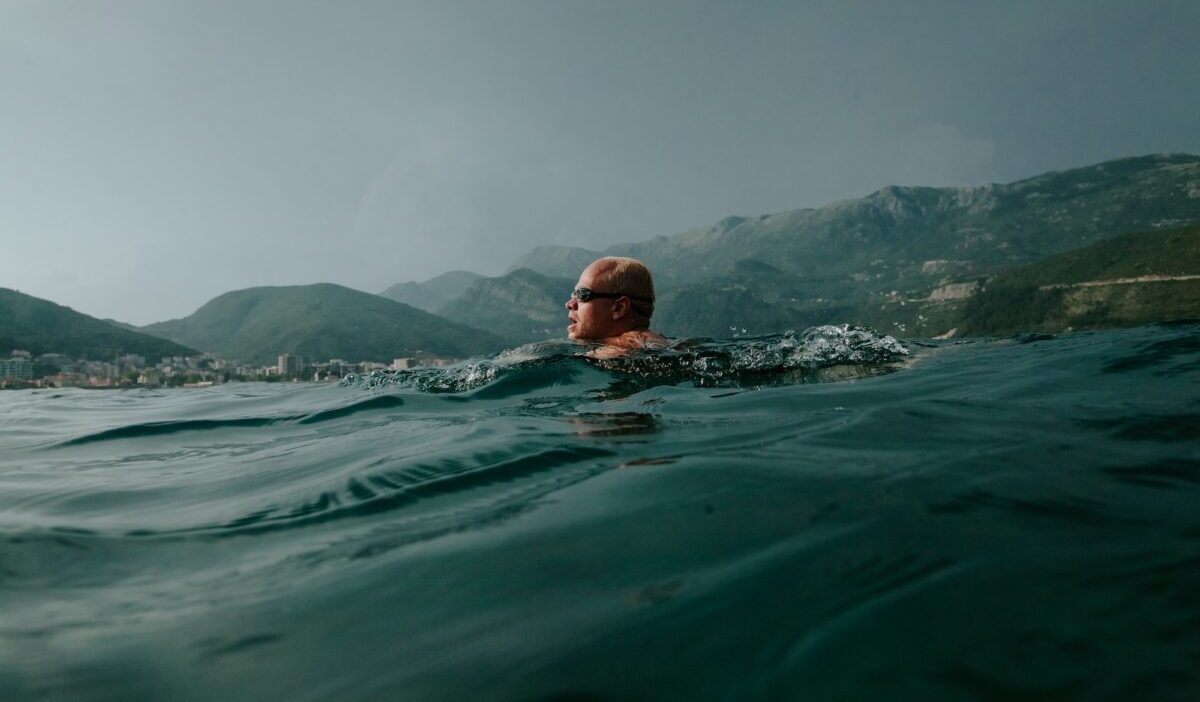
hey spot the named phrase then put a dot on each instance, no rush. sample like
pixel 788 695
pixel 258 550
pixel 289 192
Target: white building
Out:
pixel 288 365
pixel 16 368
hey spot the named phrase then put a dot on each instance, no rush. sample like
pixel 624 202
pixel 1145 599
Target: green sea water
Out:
pixel 825 516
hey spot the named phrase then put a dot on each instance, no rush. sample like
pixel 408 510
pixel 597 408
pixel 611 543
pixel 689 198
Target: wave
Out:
pixel 172 427
pixel 148 429
pixel 373 494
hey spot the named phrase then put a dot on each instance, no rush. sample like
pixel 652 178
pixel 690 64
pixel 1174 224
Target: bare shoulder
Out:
pixel 640 339
pixel 654 339
pixel 617 346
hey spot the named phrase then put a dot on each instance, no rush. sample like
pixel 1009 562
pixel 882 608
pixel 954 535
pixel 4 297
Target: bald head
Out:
pixel 628 276
pixel 621 299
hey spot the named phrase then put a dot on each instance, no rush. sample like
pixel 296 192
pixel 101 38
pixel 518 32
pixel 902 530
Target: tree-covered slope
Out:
pixel 320 322
pixel 433 293
pixel 750 298
pixel 1129 280
pixel 40 326
pixel 521 306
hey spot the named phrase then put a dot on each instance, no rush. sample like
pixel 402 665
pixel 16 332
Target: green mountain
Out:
pixel 856 260
pixel 40 326
pixel 750 297
pixel 1126 281
pixel 122 325
pixel 433 293
pixel 320 322
pixel 887 238
pixel 521 306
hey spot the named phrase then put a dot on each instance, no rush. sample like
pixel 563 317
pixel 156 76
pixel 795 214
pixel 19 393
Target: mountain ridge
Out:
pixel 850 259
pixel 521 306
pixel 431 294
pixel 320 321
pixel 40 326
pixel 1025 213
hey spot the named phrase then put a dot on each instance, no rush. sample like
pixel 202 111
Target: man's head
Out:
pixel 622 299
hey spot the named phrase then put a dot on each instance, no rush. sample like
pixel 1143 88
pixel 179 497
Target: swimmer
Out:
pixel 612 304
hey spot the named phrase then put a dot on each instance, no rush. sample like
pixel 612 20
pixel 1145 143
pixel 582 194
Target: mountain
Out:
pixel 521 306
pixel 864 260
pixel 40 326
pixel 887 238
pixel 122 325
pixel 319 322
pixel 433 293
pixel 556 261
pixel 1126 281
pixel 749 297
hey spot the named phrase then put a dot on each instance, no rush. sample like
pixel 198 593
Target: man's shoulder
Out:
pixel 640 339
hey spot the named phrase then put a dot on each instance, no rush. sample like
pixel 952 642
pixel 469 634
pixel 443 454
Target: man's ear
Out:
pixel 620 307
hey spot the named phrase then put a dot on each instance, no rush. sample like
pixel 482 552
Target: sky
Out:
pixel 156 154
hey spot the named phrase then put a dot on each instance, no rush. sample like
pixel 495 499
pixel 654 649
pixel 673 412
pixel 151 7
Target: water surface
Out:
pixel 823 516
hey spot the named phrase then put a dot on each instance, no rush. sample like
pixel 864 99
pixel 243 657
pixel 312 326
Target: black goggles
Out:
pixel 585 294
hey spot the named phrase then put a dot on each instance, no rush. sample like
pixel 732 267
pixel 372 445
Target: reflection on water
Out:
pixel 616 424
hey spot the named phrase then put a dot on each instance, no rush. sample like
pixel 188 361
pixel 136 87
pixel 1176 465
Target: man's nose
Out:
pixel 570 301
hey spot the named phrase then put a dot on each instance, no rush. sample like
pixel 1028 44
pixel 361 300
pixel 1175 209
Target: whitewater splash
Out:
pixel 816 354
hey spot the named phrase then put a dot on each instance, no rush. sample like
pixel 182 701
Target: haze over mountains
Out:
pixel 520 306
pixel 913 260
pixel 433 293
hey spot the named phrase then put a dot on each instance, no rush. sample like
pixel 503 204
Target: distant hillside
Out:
pixel 885 239
pixel 122 325
pixel 521 306
pixel 40 326
pixel 556 261
pixel 857 260
pixel 1126 281
pixel 320 322
pixel 433 293
pixel 750 297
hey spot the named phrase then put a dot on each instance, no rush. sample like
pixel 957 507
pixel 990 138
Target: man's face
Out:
pixel 591 319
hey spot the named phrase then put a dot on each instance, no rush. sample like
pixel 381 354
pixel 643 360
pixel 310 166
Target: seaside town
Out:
pixel 53 370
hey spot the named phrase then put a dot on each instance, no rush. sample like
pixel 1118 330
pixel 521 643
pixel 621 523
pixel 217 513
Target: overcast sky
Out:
pixel 155 154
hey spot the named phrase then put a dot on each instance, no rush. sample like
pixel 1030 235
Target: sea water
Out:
pixel 827 515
